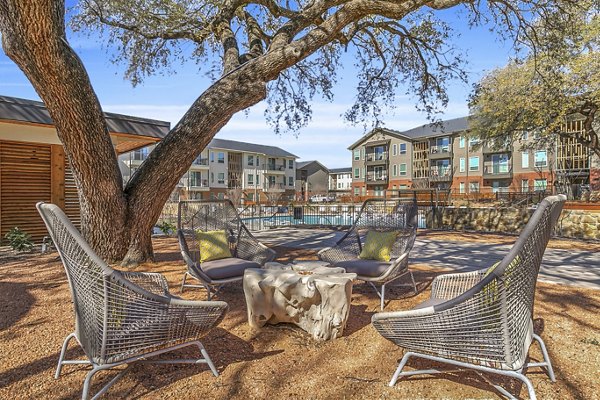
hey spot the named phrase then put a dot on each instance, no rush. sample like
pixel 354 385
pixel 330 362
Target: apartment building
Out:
pixel 229 168
pixel 312 178
pixel 340 181
pixel 443 156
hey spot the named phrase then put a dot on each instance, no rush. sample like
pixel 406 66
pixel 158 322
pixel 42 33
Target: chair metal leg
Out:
pixel 382 296
pixel 546 362
pixel 513 374
pixel 412 278
pixel 61 358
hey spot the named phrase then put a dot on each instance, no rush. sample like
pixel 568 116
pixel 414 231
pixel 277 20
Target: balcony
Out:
pixel 275 187
pixel 375 178
pixel 199 184
pixel 377 158
pixel 495 148
pixel 200 162
pixel 497 171
pixel 274 168
pixel 440 174
pixel 438 152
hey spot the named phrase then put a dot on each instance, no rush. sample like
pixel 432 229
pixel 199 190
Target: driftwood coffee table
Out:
pixel 308 294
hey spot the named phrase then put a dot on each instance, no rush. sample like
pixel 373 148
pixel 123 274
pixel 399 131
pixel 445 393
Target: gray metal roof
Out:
pixel 340 170
pixel 249 148
pixel 23 110
pixel 302 164
pixel 441 128
pixel 438 129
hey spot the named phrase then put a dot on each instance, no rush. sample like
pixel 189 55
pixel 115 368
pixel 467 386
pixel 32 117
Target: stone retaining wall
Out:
pixel 572 224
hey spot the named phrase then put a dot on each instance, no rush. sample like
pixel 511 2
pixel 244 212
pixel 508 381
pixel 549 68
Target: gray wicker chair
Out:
pixel 212 215
pixel 123 317
pixel 481 320
pixel 379 215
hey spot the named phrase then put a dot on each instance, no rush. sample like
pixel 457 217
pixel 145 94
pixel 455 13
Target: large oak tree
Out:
pixel 282 51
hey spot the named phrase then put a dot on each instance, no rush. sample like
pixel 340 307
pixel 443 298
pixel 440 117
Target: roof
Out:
pixel 435 129
pixel 249 148
pixel 345 170
pixel 302 164
pixel 23 110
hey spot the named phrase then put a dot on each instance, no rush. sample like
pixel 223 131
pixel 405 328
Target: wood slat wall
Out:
pixel 25 179
pixel 30 173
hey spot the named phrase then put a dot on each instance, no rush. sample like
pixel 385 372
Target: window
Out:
pixel 212 157
pixel 474 187
pixel 290 164
pixel 251 196
pixel 221 158
pixel 524 185
pixel 220 196
pixel 541 158
pixel 290 181
pixel 500 163
pixel 394 170
pixel 251 179
pixel 379 153
pixel 402 148
pixel 250 160
pixel 221 178
pixel 356 190
pixel 524 159
pixel 462 167
pixel 195 179
pixel 524 136
pixel 461 187
pixel 403 169
pixel 140 154
pixel 212 177
pixel 357 172
pixel 357 154
pixel 473 141
pixel 363 153
pixel 257 181
pixel 394 149
pixel 403 187
pixel 474 163
pixel 461 142
pixel 540 185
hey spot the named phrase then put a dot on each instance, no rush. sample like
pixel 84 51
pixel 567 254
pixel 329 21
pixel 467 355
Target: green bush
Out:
pixel 19 240
pixel 168 228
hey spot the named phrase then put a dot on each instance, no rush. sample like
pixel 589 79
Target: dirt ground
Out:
pixel 279 361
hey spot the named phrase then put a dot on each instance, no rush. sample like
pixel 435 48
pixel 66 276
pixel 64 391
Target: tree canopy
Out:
pixel 557 81
pixel 283 51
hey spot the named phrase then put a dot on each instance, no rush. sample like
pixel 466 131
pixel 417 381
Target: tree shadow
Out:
pixel 16 301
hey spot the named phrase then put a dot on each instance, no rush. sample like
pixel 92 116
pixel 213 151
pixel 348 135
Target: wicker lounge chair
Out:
pixel 217 215
pixel 382 215
pixel 123 317
pixel 481 320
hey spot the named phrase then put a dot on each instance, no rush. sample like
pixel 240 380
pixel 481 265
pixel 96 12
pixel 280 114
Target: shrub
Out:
pixel 19 240
pixel 168 228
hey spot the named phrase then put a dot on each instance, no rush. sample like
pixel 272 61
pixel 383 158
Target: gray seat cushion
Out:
pixel 227 268
pixel 371 268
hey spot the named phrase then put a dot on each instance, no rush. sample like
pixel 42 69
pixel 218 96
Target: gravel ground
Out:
pixel 279 361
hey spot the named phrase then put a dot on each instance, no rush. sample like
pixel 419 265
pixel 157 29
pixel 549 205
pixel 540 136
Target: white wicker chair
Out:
pixel 123 317
pixel 482 320
pixel 383 215
pixel 211 215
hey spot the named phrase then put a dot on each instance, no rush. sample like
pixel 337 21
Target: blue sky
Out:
pixel 327 136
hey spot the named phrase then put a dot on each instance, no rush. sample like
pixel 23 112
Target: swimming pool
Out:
pixel 286 220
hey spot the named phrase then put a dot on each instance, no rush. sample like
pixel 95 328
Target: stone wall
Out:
pixel 572 224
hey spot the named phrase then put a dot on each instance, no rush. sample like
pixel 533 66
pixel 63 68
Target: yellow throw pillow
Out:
pixel 378 246
pixel 214 245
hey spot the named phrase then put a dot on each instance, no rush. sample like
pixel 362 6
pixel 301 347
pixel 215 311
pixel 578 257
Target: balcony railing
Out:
pixel 440 149
pixel 273 167
pixel 376 156
pixel 440 173
pixel 199 183
pixel 376 177
pixel 200 161
pixel 498 171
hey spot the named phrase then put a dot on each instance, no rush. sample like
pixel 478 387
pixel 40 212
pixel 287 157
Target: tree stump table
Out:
pixel 312 296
